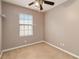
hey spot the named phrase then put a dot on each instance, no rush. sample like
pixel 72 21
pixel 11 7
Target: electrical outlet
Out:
pixel 25 41
pixel 61 44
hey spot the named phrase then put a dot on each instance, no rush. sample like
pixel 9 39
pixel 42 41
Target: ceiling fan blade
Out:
pixel 31 3
pixel 48 2
pixel 41 8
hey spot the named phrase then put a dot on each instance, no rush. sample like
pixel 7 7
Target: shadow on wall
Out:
pixel 68 3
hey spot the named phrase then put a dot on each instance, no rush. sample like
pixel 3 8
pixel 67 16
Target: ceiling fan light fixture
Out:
pixel 36 4
pixel 39 3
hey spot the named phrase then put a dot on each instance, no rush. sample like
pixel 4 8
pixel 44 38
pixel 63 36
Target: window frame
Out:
pixel 25 25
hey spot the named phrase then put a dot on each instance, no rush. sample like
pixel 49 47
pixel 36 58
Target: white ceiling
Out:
pixel 24 3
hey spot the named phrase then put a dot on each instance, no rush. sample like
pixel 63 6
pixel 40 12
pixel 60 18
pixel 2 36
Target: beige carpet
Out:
pixel 38 51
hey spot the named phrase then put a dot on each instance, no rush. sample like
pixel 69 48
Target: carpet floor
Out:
pixel 37 51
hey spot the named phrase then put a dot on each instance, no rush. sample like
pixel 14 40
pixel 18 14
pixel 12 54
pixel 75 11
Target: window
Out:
pixel 26 25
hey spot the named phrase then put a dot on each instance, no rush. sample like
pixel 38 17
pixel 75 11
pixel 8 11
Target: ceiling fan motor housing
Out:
pixel 40 2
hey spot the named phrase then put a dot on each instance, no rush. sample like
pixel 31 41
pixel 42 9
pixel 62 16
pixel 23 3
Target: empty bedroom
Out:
pixel 39 29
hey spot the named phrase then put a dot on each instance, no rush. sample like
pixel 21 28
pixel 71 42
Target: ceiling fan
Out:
pixel 40 3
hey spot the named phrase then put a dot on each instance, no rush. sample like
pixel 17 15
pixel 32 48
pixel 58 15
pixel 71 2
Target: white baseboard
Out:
pixel 62 50
pixel 5 50
pixel 1 54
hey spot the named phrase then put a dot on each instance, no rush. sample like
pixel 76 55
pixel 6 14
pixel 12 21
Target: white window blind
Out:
pixel 26 25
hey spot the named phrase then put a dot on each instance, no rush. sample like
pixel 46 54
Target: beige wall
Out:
pixel 62 26
pixel 11 36
pixel 0 26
